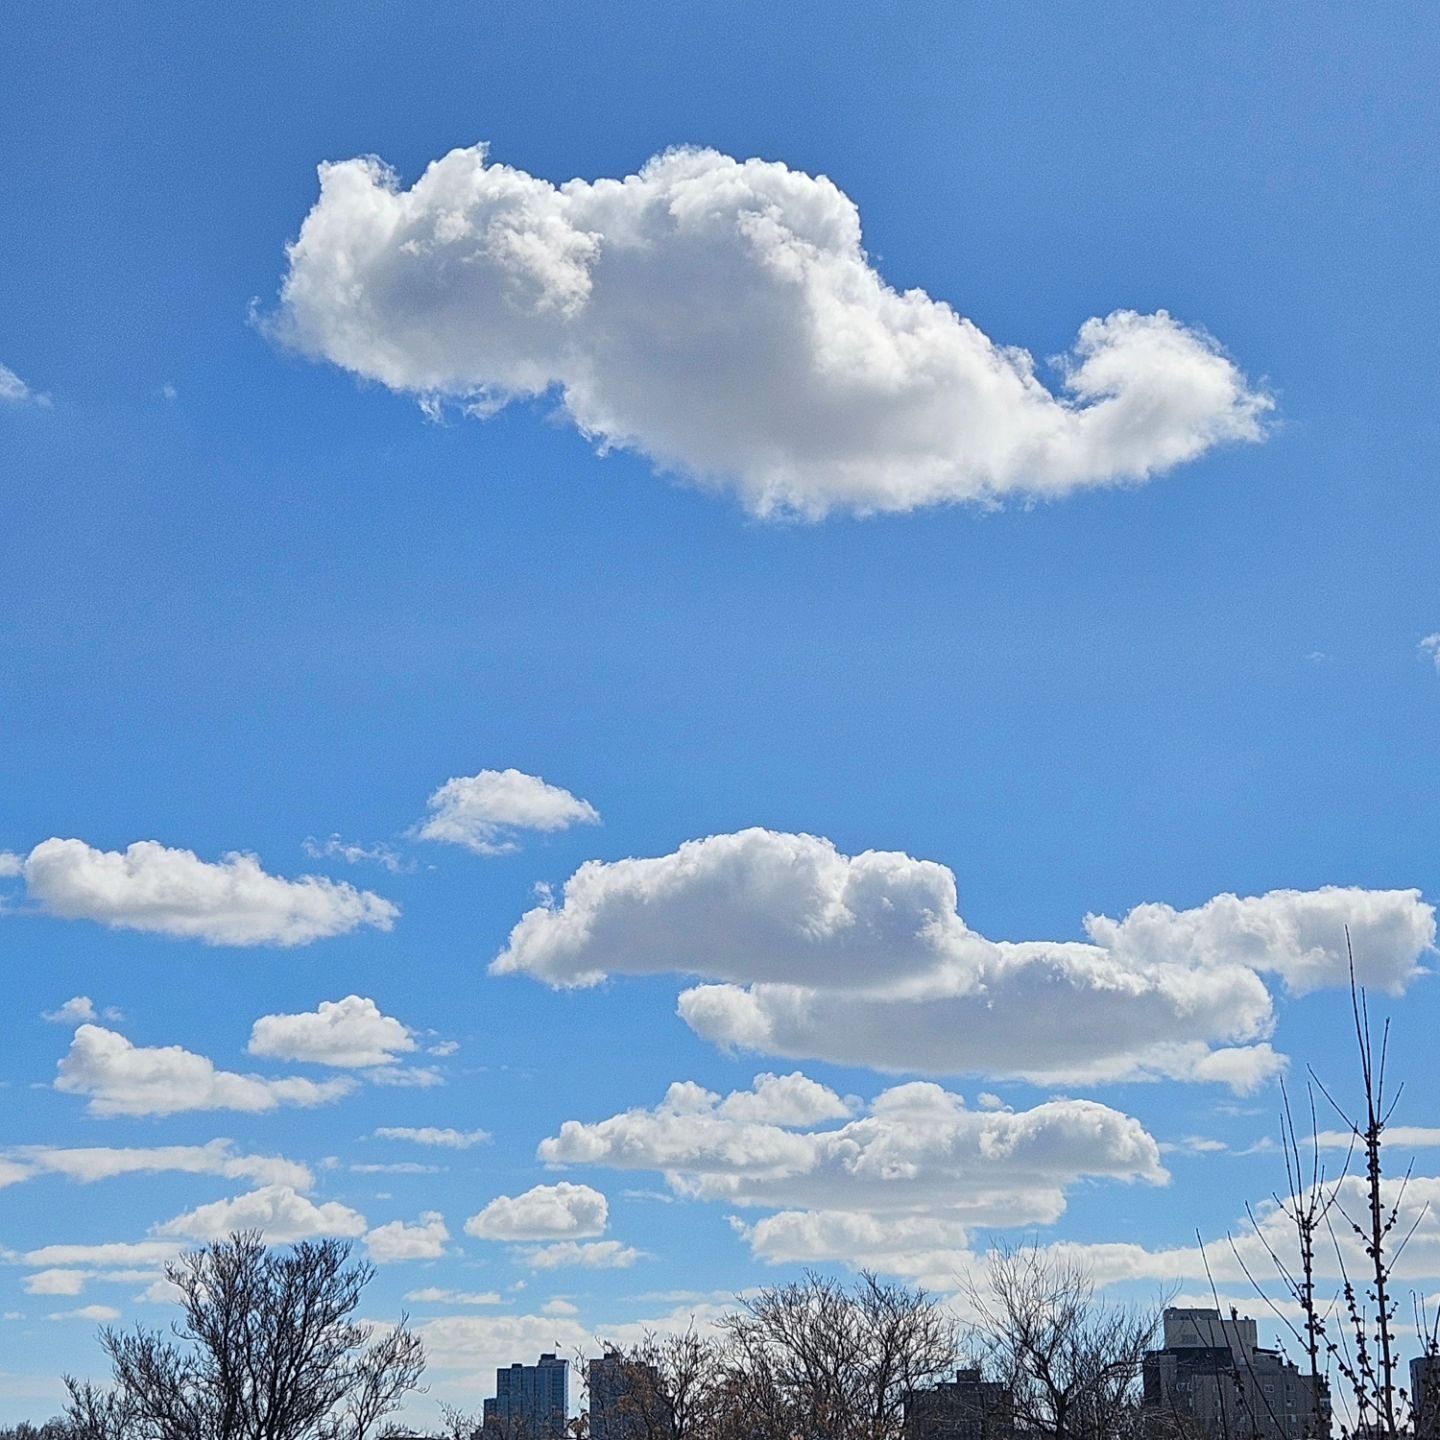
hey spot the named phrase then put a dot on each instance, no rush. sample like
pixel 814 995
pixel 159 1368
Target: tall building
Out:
pixel 627 1400
pixel 965 1408
pixel 1214 1378
pixel 1425 1397
pixel 531 1402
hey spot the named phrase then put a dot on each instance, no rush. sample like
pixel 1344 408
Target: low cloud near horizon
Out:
pixel 722 318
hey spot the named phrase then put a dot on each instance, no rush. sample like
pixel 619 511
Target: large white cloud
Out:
pixel 124 1079
pixel 279 1212
pixel 546 1212
pixel 165 891
pixel 350 1034
pixel 918 1151
pixel 722 317
pixel 482 812
pixel 866 960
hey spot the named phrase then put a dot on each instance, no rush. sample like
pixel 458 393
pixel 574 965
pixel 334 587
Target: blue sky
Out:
pixel 821 571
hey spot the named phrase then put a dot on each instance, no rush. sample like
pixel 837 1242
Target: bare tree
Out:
pixel 266 1349
pixel 816 1361
pixel 1071 1362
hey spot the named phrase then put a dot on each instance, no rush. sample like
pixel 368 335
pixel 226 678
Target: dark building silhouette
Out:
pixel 627 1401
pixel 965 1408
pixel 1213 1376
pixel 531 1401
pixel 1425 1397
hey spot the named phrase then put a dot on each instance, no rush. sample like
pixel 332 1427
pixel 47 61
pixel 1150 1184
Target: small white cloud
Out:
pixel 433 1135
pixel 417 1077
pixel 56 1282
pixel 597 1255
pixel 799 380
pixel 11 865
pixel 279 1212
pixel 89 1164
pixel 159 890
pixel 169 392
pixel 73 1012
pixel 402 1167
pixel 443 1048
pixel 334 848
pixel 109 1255
pixel 558 1306
pixel 1430 647
pixel 542 1213
pixel 14 391
pixel 96 1314
pixel 399 1241
pixel 124 1079
pixel 349 1034
pixel 434 1295
pixel 482 812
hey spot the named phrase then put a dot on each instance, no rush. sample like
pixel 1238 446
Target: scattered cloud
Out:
pixel 866 961
pixel 280 1212
pixel 56 1282
pixel 402 1167
pixel 545 1212
pixel 14 391
pixel 435 1295
pixel 159 890
pixel 1430 646
pixel 95 1314
pixel 74 1011
pixel 1407 1137
pixel 350 1034
pixel 108 1255
pixel 482 812
pixel 800 380
pixel 433 1135
pixel 11 865
pixel 91 1163
pixel 918 1161
pixel 399 1241
pixel 595 1255
pixel 119 1078
pixel 334 848
pixel 558 1306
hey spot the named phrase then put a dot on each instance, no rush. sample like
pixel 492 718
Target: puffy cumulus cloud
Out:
pixel 722 318
pixel 279 1212
pixel 866 960
pixel 219 1157
pixel 482 812
pixel 433 1135
pixel 399 1241
pixel 350 1034
pixel 546 1212
pixel 74 1011
pixel 14 391
pixel 594 1255
pixel 124 1079
pixel 165 891
pixel 11 865
pixel 917 1156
